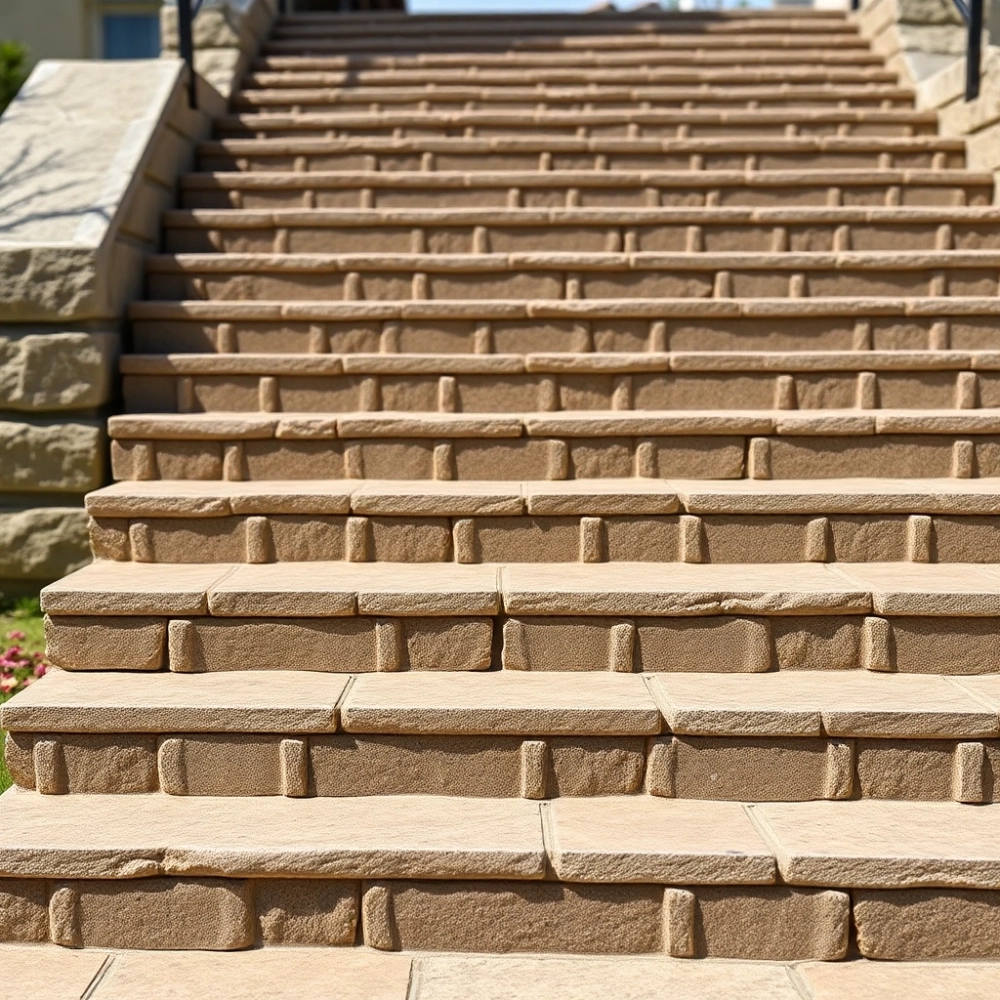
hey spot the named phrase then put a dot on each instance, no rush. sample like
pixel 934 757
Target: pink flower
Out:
pixel 16 636
pixel 41 669
pixel 7 683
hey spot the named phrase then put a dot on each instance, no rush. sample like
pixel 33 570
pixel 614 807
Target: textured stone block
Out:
pixel 24 910
pixel 154 914
pixel 54 457
pixel 306 911
pixel 105 643
pixel 922 924
pixel 55 371
pixel 43 543
pixel 503 917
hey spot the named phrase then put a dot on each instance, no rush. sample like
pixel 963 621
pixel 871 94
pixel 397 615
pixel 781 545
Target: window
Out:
pixel 131 36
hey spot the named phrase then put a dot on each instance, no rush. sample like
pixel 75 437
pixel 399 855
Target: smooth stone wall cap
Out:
pixel 679 589
pixel 878 844
pixel 265 701
pixel 647 839
pixel 901 980
pixel 501 702
pixel 136 836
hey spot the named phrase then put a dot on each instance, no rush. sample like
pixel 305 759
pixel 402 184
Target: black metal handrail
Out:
pixel 972 14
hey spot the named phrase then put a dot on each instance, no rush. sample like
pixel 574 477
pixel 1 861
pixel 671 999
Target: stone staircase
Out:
pixel 556 513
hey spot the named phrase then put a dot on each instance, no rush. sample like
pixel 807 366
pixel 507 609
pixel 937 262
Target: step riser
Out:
pixel 211 235
pixel 717 643
pixel 769 923
pixel 322 285
pixel 697 195
pixel 892 332
pixel 268 102
pixel 274 393
pixel 304 160
pixel 637 538
pixel 916 456
pixel 647 78
pixel 687 767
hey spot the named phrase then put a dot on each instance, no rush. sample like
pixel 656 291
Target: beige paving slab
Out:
pixel 808 703
pixel 160 498
pixel 839 496
pixel 872 843
pixel 267 974
pixel 610 423
pixel 319 589
pixel 193 426
pixel 438 499
pixel 306 496
pixel 43 972
pixel 953 589
pixel 600 496
pixel 985 688
pixel 131 836
pixel 679 589
pixel 647 839
pixel 459 425
pixel 863 980
pixel 265 701
pixel 115 588
pixel 488 977
pixel 501 702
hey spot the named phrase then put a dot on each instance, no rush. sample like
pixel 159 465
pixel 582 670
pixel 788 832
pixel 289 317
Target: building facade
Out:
pixel 83 29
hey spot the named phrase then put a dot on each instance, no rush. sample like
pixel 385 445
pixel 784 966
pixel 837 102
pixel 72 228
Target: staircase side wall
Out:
pixel 925 41
pixel 90 153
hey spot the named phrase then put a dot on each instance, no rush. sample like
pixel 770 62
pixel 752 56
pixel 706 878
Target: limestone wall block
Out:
pixel 42 543
pixel 55 371
pixel 37 455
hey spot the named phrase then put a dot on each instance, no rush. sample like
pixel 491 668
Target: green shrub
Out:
pixel 13 70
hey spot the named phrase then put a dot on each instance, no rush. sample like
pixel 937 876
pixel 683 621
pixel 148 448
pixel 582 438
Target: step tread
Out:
pixel 845 844
pixel 494 703
pixel 787 703
pixel 564 423
pixel 291 973
pixel 191 498
pixel 235 218
pixel 250 701
pixel 113 836
pixel 652 260
pixel 449 179
pixel 333 589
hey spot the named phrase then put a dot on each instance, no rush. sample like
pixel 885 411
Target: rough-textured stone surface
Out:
pixel 42 543
pixel 51 455
pixel 55 371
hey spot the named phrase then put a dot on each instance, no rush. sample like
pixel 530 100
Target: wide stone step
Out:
pixel 373 154
pixel 471 46
pixel 588 521
pixel 265 77
pixel 642 23
pixel 446 98
pixel 797 59
pixel 624 617
pixel 629 875
pixel 624 123
pixel 571 276
pixel 697 381
pixel 595 230
pixel 788 736
pixel 571 444
pixel 628 325
pixel 290 973
pixel 551 189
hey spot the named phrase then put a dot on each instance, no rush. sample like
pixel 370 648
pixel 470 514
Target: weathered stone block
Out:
pixel 55 371
pixel 105 643
pixel 44 455
pixel 154 914
pixel 43 543
pixel 307 911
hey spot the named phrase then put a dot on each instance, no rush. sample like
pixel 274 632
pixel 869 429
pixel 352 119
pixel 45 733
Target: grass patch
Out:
pixel 22 638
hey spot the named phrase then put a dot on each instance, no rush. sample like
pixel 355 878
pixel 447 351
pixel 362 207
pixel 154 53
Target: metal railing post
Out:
pixel 974 49
pixel 185 31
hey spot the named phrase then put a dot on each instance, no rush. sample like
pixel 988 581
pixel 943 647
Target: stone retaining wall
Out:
pixel 90 153
pixel 925 42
